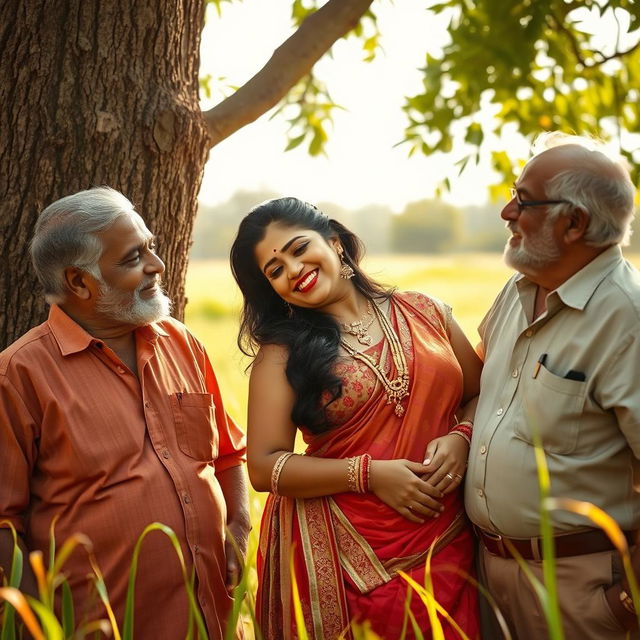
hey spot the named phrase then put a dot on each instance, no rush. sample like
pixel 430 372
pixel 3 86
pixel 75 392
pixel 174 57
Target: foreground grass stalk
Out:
pixel 15 578
pixel 127 632
pixel 297 605
pixel 19 603
pixel 551 605
pixel 603 520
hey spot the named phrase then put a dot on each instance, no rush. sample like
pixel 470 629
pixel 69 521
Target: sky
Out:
pixel 362 165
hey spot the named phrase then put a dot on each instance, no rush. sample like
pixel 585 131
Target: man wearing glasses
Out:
pixel 561 347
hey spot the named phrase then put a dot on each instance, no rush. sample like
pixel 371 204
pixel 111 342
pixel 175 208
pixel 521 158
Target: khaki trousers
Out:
pixel 581 582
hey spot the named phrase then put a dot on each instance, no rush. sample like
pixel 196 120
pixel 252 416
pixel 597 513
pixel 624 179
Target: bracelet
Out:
pixel 352 474
pixel 364 472
pixel 627 602
pixel 464 429
pixel 277 470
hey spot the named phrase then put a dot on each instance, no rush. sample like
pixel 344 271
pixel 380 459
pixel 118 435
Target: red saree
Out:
pixel 348 548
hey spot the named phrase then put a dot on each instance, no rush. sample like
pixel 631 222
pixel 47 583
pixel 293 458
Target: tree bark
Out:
pixel 95 93
pixel 106 93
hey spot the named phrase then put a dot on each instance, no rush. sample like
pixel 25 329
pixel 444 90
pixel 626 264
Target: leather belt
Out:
pixel 566 544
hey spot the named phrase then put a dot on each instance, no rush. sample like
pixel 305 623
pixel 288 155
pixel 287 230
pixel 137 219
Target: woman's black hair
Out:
pixel 311 337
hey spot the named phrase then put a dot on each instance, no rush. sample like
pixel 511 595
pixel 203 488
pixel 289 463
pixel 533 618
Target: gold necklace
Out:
pixel 398 388
pixel 359 327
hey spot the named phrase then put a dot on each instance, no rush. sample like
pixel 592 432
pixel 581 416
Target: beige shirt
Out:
pixel 589 428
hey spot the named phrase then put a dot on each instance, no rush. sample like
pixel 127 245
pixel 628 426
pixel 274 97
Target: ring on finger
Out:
pixel 457 475
pixel 409 507
pixel 450 476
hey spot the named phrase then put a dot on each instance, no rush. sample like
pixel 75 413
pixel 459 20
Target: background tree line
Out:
pixel 425 226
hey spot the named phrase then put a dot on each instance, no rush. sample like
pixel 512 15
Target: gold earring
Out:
pixel 346 272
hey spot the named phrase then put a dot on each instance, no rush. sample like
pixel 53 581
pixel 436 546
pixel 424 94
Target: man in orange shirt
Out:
pixel 111 419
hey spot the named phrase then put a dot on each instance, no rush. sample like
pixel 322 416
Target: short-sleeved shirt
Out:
pixel 571 378
pixel 106 453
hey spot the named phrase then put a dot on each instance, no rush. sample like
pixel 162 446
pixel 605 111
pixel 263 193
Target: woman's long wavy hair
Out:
pixel 311 337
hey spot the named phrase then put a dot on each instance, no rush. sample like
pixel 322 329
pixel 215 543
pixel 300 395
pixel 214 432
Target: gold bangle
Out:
pixel 277 470
pixel 627 602
pixel 352 474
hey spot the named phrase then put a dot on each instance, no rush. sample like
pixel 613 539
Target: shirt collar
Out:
pixel 72 338
pixel 579 288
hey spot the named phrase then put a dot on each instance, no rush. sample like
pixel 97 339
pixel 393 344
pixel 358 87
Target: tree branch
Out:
pixel 290 62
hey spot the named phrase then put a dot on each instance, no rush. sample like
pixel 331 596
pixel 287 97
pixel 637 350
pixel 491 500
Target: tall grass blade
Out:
pixel 48 620
pixel 127 631
pixel 97 627
pixel 239 591
pixel 414 625
pixel 552 606
pixel 20 604
pixel 37 564
pixel 15 577
pixel 297 606
pixel 101 588
pixel 426 596
pixel 407 606
pixel 68 616
pixel 613 531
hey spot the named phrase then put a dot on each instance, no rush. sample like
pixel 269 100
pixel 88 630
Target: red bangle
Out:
pixel 364 471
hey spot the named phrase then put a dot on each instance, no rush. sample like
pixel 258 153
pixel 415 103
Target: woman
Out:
pixel 373 379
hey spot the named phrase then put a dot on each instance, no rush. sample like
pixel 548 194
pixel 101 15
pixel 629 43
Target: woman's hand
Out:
pixel 398 484
pixel 446 462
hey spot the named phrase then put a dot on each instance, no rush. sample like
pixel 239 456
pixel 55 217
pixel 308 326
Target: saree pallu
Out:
pixel 346 550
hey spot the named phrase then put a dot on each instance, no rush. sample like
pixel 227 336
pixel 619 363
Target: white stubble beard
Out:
pixel 131 308
pixel 541 251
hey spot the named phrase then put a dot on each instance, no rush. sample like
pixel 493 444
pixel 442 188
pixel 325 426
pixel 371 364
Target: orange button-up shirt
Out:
pixel 84 440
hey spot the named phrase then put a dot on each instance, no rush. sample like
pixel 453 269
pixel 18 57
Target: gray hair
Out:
pixel 66 236
pixel 599 184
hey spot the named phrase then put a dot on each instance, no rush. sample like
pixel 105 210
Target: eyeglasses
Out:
pixel 522 204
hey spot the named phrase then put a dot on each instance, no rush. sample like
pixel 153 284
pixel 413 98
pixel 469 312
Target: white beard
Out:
pixel 536 251
pixel 131 308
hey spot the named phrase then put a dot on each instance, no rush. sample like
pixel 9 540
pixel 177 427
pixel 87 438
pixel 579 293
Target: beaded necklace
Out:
pixel 398 388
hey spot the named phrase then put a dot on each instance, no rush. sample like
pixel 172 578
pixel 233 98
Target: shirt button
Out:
pixel 147 405
pixel 186 498
pixel 480 493
pixel 514 373
pixel 500 411
pixel 121 370
pixel 196 548
pixel 528 333
pixel 165 454
pixel 483 449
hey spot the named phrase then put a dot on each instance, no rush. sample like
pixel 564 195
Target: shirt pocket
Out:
pixel 552 407
pixel 195 423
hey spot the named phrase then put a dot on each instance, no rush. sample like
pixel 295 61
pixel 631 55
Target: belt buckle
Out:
pixel 497 538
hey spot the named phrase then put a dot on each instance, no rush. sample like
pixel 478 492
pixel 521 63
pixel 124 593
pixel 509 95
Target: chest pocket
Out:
pixel 195 422
pixel 552 407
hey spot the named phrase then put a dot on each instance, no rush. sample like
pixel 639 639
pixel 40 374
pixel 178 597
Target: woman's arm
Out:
pixel 446 456
pixel 272 433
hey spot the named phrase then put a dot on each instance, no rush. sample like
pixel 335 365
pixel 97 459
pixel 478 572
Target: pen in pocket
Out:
pixel 541 360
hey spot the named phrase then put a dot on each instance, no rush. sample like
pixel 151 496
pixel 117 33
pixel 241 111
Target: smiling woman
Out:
pixel 373 379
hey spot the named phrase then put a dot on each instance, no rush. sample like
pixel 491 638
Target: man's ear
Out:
pixel 79 282
pixel 577 225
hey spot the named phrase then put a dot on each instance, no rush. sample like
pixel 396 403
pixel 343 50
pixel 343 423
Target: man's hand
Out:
pixel 234 487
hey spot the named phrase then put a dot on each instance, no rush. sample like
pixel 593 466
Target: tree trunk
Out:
pixel 97 93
